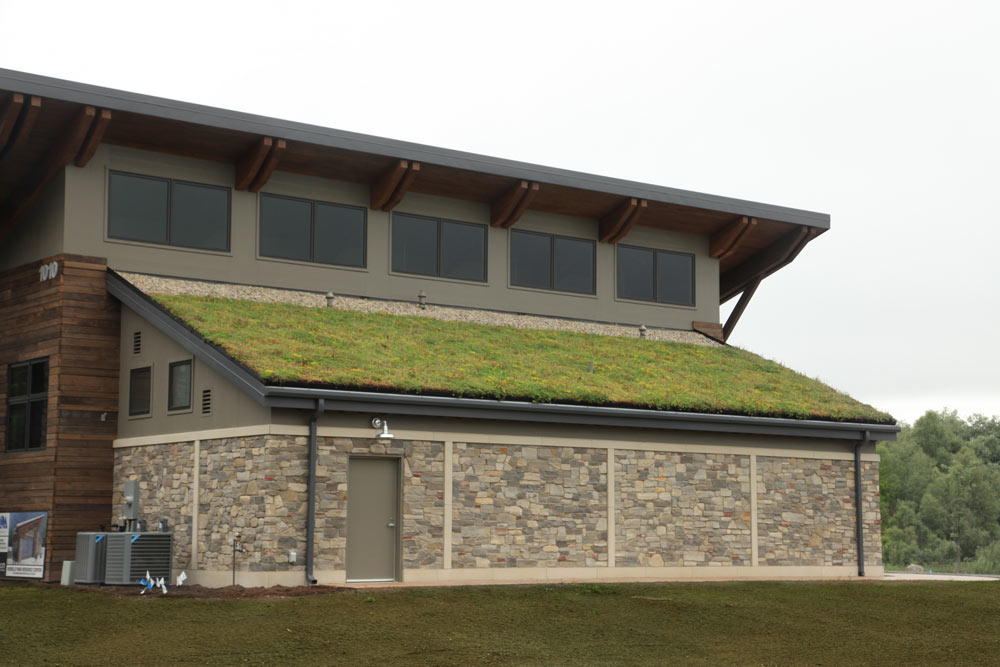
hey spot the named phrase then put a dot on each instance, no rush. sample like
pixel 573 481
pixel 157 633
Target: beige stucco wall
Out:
pixel 230 406
pixel 86 191
pixel 39 232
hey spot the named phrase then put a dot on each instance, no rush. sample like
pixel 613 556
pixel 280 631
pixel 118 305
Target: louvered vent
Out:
pixel 137 342
pixel 206 401
pixel 130 555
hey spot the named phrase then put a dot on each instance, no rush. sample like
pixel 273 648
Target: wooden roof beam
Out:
pixel 390 188
pixel 728 239
pixel 56 158
pixel 508 208
pixel 616 223
pixel 94 137
pixel 8 117
pixel 22 127
pixel 250 164
pixel 765 262
pixel 266 169
pixel 741 305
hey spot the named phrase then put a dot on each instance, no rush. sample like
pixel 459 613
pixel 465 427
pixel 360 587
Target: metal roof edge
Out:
pixel 131 296
pixel 81 93
pixel 474 408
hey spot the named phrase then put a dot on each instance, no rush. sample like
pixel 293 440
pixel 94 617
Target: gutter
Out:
pixel 311 490
pixel 858 509
pixel 478 408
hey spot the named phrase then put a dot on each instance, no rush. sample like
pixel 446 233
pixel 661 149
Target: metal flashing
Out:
pixel 305 398
pixel 109 98
pixel 181 334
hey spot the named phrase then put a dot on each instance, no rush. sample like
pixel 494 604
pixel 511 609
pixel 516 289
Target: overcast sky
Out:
pixel 886 115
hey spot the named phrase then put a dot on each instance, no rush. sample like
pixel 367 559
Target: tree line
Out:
pixel 940 493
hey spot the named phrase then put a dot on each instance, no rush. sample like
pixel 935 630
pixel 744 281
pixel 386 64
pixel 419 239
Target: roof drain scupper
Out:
pixel 311 491
pixel 859 511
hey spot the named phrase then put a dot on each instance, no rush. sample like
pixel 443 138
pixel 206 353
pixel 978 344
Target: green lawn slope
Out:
pixel 289 344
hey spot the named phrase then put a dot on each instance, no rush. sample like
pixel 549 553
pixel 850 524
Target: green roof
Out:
pixel 286 344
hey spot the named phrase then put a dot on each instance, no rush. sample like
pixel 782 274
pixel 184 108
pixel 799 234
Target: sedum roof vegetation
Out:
pixel 286 344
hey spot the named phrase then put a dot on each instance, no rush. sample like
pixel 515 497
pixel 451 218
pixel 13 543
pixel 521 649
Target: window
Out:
pixel 139 390
pixel 431 247
pixel 551 262
pixel 179 386
pixel 27 404
pixel 645 274
pixel 312 231
pixel 162 210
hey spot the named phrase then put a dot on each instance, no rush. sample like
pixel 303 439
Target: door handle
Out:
pixel 392 523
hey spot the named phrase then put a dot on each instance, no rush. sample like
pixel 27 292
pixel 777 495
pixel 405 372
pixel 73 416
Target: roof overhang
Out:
pixel 305 398
pixel 69 119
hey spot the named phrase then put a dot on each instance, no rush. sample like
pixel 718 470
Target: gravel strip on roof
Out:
pixel 163 285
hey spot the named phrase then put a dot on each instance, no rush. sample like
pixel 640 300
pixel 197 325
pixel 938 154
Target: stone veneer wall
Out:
pixel 165 474
pixel 682 509
pixel 516 506
pixel 806 514
pixel 513 506
pixel 423 499
pixel 256 486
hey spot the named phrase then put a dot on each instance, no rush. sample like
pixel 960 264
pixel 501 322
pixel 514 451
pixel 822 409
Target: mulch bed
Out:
pixel 224 593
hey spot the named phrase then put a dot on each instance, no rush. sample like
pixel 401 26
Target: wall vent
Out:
pixel 206 401
pixel 137 342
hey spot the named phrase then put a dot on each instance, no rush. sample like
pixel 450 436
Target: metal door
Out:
pixel 372 519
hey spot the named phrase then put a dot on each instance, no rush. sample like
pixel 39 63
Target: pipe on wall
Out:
pixel 311 490
pixel 859 511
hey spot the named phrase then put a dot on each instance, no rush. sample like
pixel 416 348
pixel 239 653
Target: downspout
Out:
pixel 311 490
pixel 859 511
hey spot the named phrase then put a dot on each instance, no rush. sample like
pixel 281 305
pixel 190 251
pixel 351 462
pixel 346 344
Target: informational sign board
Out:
pixel 22 544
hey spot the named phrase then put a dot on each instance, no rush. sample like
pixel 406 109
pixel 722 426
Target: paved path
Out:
pixel 926 576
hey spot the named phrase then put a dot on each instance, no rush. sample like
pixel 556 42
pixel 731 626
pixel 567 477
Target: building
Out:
pixel 544 346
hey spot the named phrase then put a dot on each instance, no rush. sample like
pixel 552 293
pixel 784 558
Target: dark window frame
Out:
pixel 312 230
pixel 170 205
pixel 29 399
pixel 131 383
pixel 170 385
pixel 656 258
pixel 552 262
pixel 437 274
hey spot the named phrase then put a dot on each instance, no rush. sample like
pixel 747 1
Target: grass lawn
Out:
pixel 840 623
pixel 289 344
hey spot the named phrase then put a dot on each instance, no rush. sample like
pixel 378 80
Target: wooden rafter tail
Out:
pixel 94 138
pixel 8 117
pixel 22 128
pixel 612 221
pixel 728 239
pixel 741 305
pixel 385 185
pixel 59 154
pixel 633 217
pixel 266 169
pixel 249 164
pixel 522 205
pixel 402 187
pixel 504 205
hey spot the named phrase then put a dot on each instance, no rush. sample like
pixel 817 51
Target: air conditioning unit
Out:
pixel 90 553
pixel 130 555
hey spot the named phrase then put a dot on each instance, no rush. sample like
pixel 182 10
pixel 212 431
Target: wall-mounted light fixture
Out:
pixel 378 422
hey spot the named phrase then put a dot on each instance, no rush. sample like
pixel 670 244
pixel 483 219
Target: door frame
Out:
pixel 398 542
